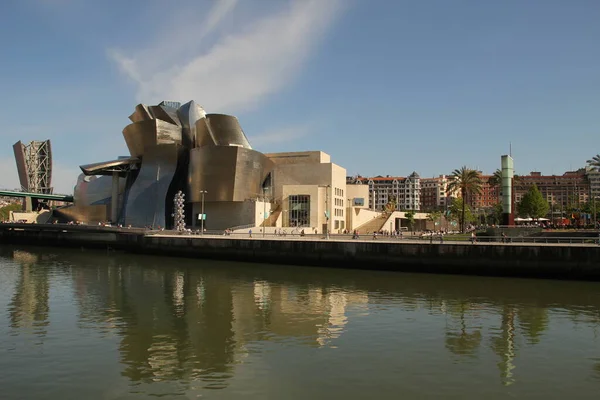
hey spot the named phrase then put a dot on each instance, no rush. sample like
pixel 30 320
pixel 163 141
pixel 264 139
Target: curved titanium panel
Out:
pixel 226 130
pixel 146 200
pixel 166 114
pixel 91 190
pixel 203 135
pixel 189 114
pixel 106 167
pixel 141 113
pixel 140 135
pixel 226 173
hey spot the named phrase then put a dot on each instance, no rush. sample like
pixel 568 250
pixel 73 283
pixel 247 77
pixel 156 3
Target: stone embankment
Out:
pixel 559 261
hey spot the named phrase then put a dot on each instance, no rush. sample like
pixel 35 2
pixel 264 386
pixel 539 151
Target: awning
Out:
pixel 122 166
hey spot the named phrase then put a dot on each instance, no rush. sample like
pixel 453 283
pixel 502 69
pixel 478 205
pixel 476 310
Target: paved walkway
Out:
pixel 369 238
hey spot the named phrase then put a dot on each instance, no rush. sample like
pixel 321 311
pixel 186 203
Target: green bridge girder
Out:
pixel 57 197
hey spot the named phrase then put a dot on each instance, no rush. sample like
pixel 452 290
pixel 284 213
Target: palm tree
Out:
pixel 496 179
pixel 594 162
pixel 467 181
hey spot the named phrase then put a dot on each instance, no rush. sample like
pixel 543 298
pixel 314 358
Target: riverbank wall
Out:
pixel 557 261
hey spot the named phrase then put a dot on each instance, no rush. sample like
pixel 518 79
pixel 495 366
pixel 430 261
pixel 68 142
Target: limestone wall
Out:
pixel 519 260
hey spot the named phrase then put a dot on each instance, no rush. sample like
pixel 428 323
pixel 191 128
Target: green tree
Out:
pixel 410 218
pixel 434 217
pixel 497 212
pixel 533 204
pixel 459 211
pixel 5 211
pixel 467 182
pixel 592 206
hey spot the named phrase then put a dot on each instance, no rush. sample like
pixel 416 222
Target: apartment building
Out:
pixel 489 195
pixel 593 176
pixel 434 193
pixel 570 189
pixel 382 189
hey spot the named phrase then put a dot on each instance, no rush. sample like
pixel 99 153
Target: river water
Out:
pixel 78 324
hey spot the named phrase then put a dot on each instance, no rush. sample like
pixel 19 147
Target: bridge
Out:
pixel 40 196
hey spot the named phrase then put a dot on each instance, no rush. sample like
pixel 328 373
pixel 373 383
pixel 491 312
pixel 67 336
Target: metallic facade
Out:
pixel 34 165
pixel 221 130
pixel 147 199
pixel 172 147
pixel 227 173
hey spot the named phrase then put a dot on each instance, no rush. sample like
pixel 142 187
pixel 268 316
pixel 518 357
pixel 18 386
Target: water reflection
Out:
pixel 195 322
pixel 29 308
pixel 464 339
pixel 503 344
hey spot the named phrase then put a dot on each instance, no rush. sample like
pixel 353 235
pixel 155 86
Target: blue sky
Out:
pixel 384 86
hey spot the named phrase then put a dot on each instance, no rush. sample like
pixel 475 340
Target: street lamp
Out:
pixel 349 216
pixel 264 212
pixel 202 216
pixel 327 210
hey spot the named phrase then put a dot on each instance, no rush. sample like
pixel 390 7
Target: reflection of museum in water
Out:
pixel 179 147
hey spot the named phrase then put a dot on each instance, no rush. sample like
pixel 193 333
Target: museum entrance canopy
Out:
pixel 122 166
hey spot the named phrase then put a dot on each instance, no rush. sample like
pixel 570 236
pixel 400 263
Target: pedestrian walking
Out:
pixel 250 233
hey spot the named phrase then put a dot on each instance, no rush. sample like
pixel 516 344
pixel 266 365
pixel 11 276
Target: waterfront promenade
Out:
pixel 481 241
pixel 577 260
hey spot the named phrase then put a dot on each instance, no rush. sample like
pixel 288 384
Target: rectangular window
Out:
pixel 299 210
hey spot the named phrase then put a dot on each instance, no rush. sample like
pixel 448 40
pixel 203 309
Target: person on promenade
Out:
pixel 473 237
pixel 302 232
pixel 250 233
pixel 503 237
pixel 441 237
pixel 374 235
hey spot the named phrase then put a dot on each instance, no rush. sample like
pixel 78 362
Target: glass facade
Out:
pixel 299 210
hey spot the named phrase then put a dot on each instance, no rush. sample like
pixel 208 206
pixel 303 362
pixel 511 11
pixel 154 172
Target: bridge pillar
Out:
pixel 27 204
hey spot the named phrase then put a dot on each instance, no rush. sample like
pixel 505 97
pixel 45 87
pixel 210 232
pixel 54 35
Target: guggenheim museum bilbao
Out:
pixel 226 183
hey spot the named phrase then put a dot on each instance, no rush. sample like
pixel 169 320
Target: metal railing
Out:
pixel 309 235
pixel 495 240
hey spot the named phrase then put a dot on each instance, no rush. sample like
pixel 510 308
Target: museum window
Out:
pixel 299 210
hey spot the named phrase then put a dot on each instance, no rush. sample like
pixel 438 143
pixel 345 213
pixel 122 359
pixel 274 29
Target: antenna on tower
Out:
pixel 510 149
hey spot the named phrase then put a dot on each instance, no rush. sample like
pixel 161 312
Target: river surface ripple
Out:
pixel 78 324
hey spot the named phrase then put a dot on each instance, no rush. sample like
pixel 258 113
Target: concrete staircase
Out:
pixel 271 221
pixel 376 224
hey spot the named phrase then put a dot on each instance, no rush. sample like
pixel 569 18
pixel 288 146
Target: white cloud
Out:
pixel 241 68
pixel 63 177
pixel 216 15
